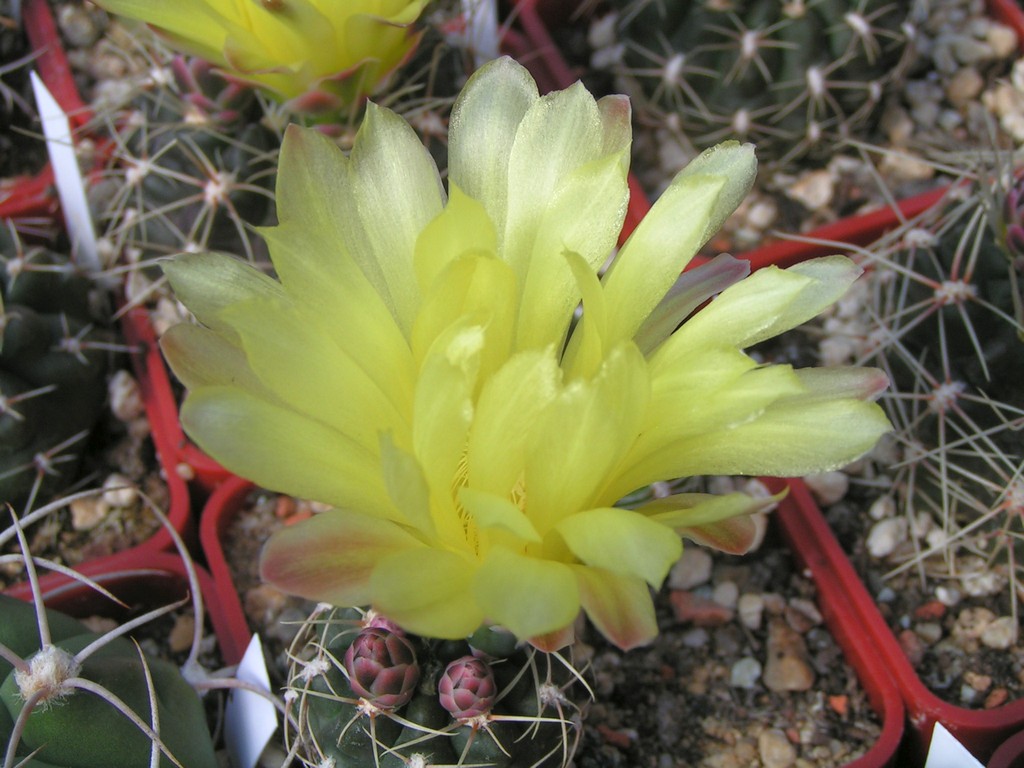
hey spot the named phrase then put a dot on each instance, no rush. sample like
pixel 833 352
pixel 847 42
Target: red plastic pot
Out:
pixel 1010 753
pixel 221 508
pixel 857 616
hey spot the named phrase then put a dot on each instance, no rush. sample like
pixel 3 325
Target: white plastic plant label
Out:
pixel 946 752
pixel 61 147
pixel 250 719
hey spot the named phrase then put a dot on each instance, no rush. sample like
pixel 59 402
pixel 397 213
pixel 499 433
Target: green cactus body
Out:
pixel 528 725
pixel 83 730
pixel 784 75
pixel 53 366
pixel 194 170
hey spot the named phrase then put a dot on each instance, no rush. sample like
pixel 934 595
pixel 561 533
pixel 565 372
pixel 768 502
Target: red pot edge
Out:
pixel 164 579
pixel 51 62
pixel 220 509
pixel 1010 753
pixel 981 731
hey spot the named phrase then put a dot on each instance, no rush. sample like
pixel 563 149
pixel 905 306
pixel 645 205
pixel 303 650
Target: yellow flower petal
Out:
pixel 622 541
pixel 440 605
pixel 527 595
pixel 284 451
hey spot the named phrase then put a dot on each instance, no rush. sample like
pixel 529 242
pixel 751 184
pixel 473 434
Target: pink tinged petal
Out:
pixel 582 435
pixel 497 512
pixel 482 130
pixel 622 541
pixel 330 557
pixel 207 283
pixel 310 256
pixel 550 642
pixel 428 592
pixel 619 606
pixel 285 451
pixel 691 289
pixel 734 536
pixel 527 596
pixel 394 192
pixel 507 410
pixel 721 522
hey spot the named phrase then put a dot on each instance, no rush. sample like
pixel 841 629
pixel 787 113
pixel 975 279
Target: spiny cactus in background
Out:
pixel 788 76
pixel 944 316
pixel 192 166
pixel 364 693
pixel 51 710
pixel 53 365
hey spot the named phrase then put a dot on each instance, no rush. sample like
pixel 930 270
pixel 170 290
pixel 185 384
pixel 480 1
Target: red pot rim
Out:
pixel 1010 753
pixel 857 615
pixel 153 578
pixel 217 515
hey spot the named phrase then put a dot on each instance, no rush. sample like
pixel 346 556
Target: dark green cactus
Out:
pixel 78 728
pixel 193 166
pixel 522 713
pixel 788 75
pixel 53 365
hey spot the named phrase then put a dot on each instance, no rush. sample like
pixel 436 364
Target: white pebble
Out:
pixel 87 513
pixel 882 507
pixel 1001 634
pixel 120 491
pixel 750 608
pixel 886 535
pixel 828 487
pixel 745 673
pixel 726 594
pixel 692 569
pixel 125 398
pixel 948 596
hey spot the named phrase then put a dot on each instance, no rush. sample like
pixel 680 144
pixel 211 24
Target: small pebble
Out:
pixel 745 673
pixel 933 609
pixel 695 638
pixel 120 491
pixel 813 190
pixel 787 667
pixel 978 682
pixel 775 749
pixel 913 647
pixel 882 507
pixel 964 86
pixel 726 594
pixel 125 397
pixel 700 611
pixel 828 487
pixel 87 513
pixel 179 639
pixel 996 698
pixel 885 536
pixel 750 608
pixel 930 632
pixel 691 570
pixel 1000 634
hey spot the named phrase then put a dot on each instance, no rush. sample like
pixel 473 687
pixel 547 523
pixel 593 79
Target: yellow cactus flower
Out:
pixel 417 364
pixel 316 55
